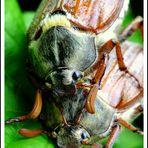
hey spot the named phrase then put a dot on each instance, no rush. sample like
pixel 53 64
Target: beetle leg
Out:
pixel 120 57
pixel 37 106
pixel 89 105
pixel 30 133
pixel 137 23
pixel 131 102
pixel 100 66
pixel 108 47
pixel 33 114
pixel 113 135
pixel 129 126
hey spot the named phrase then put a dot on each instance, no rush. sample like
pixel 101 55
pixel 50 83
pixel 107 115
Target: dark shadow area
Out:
pixel 137 7
pixel 29 5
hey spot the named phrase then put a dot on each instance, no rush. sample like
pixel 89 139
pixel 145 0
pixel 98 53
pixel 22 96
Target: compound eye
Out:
pixel 76 75
pixel 84 136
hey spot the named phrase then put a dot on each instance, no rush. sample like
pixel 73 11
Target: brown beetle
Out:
pixel 117 103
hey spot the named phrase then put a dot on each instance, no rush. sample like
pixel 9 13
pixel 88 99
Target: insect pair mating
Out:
pixel 69 67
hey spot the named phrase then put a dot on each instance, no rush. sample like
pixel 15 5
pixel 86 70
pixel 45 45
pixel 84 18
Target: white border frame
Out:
pixel 145 73
pixel 2 73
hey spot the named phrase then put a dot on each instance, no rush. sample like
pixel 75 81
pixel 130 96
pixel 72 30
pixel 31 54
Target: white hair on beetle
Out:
pixel 55 20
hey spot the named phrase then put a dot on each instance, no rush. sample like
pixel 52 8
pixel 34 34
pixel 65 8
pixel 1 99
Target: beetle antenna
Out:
pixel 33 114
pixel 30 133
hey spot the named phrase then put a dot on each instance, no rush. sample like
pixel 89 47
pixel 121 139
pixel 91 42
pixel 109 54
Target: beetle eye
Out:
pixel 76 75
pixel 84 136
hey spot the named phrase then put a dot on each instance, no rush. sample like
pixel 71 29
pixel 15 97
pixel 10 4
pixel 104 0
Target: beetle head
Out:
pixel 71 136
pixel 63 80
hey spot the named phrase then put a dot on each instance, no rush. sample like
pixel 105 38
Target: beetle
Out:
pixel 63 29
pixel 116 104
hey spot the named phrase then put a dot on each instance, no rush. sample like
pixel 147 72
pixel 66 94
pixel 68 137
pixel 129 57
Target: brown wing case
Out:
pixel 93 15
pixel 90 15
pixel 118 85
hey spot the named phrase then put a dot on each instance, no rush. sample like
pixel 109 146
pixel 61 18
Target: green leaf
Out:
pixel 28 17
pixel 17 87
pixel 15 140
pixel 129 139
pixel 136 36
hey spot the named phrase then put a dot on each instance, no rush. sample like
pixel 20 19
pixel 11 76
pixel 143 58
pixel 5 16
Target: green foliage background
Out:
pixel 19 92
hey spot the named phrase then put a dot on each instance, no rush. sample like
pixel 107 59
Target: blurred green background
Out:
pixel 19 92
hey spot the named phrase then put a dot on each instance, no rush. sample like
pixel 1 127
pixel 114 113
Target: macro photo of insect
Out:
pixel 74 74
